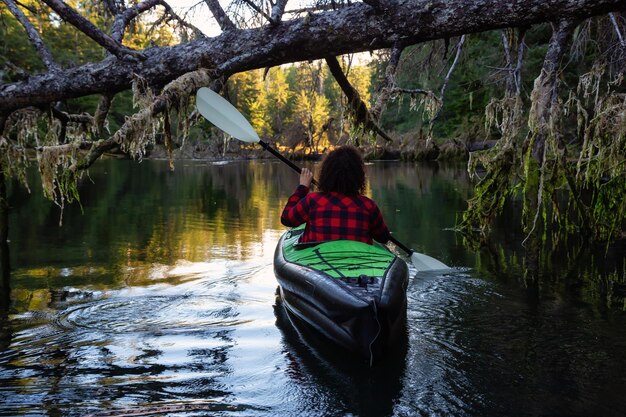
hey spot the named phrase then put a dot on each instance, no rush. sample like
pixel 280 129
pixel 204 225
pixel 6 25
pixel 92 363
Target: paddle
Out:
pixel 217 110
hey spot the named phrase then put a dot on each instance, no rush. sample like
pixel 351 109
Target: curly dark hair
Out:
pixel 343 171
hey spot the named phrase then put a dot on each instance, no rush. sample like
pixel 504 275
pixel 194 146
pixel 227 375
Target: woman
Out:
pixel 339 210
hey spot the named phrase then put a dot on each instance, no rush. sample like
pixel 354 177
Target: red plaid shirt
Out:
pixel 333 216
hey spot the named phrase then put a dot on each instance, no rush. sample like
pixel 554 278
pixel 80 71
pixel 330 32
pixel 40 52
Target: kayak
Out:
pixel 352 293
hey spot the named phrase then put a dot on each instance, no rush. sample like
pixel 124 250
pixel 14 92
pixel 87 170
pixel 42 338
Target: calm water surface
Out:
pixel 159 299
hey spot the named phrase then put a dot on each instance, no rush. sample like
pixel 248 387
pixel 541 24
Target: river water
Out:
pixel 157 297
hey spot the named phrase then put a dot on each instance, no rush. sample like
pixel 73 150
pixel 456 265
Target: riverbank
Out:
pixel 408 148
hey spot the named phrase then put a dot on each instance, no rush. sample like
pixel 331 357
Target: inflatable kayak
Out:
pixel 352 293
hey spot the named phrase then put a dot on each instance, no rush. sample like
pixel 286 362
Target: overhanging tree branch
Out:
pixel 102 111
pixel 172 93
pixel 358 107
pixel 317 8
pixel 347 30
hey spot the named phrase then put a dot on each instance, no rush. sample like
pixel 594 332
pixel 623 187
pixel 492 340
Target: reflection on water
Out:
pixel 160 300
pixel 471 339
pixel 155 346
pixel 329 373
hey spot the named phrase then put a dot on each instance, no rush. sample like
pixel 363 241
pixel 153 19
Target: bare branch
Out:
pixel 33 36
pixel 514 82
pixel 438 100
pixel 19 73
pixel 459 49
pixel 71 118
pixel 359 108
pixel 278 9
pixel 259 10
pixel 517 73
pixel 89 29
pixel 507 50
pixel 617 30
pixel 220 15
pixel 66 118
pixel 507 40
pixel 182 21
pixel 123 19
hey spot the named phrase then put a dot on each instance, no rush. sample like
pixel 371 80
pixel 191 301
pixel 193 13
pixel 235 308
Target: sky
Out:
pixel 199 16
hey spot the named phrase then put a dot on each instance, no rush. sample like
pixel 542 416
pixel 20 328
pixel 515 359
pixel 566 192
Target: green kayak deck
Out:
pixel 338 258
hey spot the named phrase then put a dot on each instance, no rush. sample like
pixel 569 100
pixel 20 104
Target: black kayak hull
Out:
pixel 360 320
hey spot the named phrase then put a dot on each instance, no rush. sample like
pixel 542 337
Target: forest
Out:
pixel 532 96
pixel 145 268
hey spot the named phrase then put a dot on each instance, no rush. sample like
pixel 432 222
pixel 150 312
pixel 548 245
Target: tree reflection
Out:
pixel 141 221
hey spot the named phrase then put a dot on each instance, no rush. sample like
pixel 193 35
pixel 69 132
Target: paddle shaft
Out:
pixel 282 158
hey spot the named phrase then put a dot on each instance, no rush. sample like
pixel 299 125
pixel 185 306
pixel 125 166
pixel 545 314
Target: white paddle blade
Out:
pixel 423 262
pixel 217 110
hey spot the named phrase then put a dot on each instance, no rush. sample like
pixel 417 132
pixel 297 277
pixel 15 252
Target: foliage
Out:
pixel 578 179
pixel 248 93
pixel 300 106
pixel 568 163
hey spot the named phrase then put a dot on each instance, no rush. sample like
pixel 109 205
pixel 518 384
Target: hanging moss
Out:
pixel 500 180
pixel 561 194
pixel 58 181
pixel 63 145
pixel 14 161
pixel 139 131
pixel 22 125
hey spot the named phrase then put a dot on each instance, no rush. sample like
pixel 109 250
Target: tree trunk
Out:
pixel 354 28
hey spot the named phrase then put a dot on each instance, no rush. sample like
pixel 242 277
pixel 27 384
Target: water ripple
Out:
pixel 151 313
